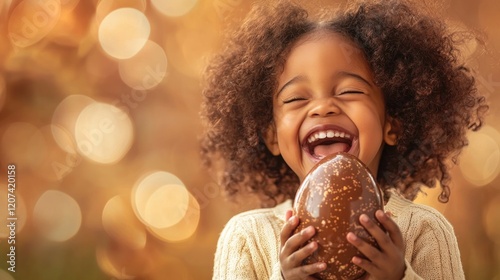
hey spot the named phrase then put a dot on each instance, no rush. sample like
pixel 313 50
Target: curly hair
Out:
pixel 415 61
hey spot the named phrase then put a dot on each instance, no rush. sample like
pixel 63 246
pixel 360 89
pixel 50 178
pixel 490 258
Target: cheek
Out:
pixel 287 130
pixel 371 129
pixel 287 127
pixel 371 144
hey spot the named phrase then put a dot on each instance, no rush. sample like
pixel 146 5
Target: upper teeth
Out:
pixel 327 134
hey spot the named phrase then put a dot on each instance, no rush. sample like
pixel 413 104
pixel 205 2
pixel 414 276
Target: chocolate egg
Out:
pixel 331 198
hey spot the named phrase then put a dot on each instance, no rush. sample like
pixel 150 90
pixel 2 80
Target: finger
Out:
pixel 305 271
pixel 383 240
pixel 368 266
pixel 297 240
pixel 370 252
pixel 296 258
pixel 391 227
pixel 373 229
pixel 288 228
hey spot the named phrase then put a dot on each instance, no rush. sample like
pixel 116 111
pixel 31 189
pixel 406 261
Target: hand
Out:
pixel 387 262
pixel 292 253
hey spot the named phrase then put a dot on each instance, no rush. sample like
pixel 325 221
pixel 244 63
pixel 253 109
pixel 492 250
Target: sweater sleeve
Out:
pixel 248 247
pixel 232 256
pixel 432 248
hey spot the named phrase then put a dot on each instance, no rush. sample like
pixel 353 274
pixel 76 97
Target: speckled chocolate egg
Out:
pixel 331 198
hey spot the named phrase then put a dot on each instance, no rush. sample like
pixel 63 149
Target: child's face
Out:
pixel 327 102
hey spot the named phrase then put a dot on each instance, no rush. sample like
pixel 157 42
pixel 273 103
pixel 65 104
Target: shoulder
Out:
pixel 414 216
pixel 249 245
pixel 259 219
pixel 431 247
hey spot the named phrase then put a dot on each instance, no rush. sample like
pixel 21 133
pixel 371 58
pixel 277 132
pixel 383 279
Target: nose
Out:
pixel 324 107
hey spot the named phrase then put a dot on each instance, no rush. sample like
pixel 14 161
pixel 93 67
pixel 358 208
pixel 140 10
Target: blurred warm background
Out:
pixel 99 104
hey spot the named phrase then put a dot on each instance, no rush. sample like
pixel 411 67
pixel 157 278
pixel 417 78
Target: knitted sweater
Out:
pixel 249 245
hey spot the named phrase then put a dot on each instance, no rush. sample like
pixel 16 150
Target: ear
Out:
pixel 392 131
pixel 271 140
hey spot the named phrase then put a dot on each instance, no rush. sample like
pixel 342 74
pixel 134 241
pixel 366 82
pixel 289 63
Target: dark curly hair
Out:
pixel 415 61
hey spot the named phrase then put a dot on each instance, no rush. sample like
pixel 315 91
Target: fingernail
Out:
pixel 292 219
pixel 321 265
pixel 356 260
pixel 381 215
pixel 364 218
pixel 390 214
pixel 307 230
pixel 351 236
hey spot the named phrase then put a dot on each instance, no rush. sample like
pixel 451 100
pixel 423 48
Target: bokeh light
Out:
pixel 104 7
pixel 480 161
pixel 160 199
pixel 120 223
pixel 64 120
pixel 166 206
pixel 174 8
pixel 123 32
pixel 146 69
pixel 32 20
pixel 183 229
pixel 57 216
pixel 29 149
pixel 103 133
pixel 64 138
pixel 19 211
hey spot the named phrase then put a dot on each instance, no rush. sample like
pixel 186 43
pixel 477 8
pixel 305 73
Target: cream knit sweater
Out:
pixel 248 247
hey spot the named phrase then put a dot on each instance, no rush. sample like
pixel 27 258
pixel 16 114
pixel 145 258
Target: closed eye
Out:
pixel 351 92
pixel 292 99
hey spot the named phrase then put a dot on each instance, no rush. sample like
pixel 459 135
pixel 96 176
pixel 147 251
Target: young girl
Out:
pixel 380 81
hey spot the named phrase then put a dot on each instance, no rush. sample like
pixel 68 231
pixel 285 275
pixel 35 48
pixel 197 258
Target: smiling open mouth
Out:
pixel 326 142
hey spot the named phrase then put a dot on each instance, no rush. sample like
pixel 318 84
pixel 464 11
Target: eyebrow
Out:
pixel 300 78
pixel 295 79
pixel 356 76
